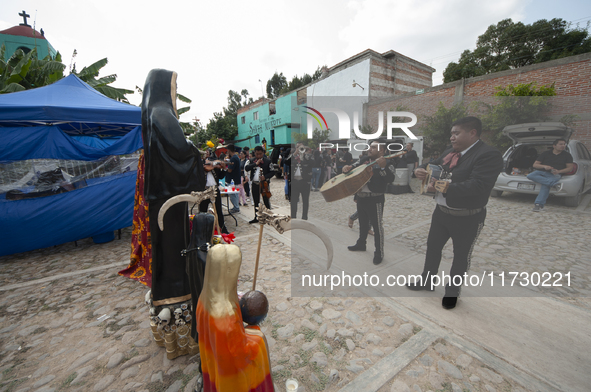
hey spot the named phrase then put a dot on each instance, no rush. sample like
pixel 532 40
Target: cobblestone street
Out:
pixel 53 338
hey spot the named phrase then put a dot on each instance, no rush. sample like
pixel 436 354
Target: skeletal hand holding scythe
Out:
pixel 283 223
pixel 194 197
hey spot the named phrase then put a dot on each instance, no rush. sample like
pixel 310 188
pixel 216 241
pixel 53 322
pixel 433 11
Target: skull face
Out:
pixel 178 313
pixel 164 316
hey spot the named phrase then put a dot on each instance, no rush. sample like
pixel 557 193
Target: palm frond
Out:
pixel 183 110
pixel 53 66
pixel 93 69
pixel 114 93
pixel 23 66
pixel 12 88
pixel 106 80
pixel 182 98
pixel 16 57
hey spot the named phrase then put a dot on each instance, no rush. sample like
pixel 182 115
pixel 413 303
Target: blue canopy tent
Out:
pixel 67 121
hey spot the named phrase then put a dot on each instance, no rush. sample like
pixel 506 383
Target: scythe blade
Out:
pixel 305 225
pixel 194 197
pixel 283 223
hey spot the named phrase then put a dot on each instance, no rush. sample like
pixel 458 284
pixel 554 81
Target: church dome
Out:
pixel 23 31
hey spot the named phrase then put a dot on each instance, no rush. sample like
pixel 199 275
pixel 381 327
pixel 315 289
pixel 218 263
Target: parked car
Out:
pixel 529 141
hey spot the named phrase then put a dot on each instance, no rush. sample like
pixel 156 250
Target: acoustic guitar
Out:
pixel 348 184
pixel 434 174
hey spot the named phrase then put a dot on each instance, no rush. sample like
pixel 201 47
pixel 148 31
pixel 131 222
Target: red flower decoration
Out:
pixel 229 238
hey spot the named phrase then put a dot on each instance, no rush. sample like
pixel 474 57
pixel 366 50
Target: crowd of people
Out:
pixel 461 200
pixel 246 171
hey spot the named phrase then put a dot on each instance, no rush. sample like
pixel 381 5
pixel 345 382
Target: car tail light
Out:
pixel 573 171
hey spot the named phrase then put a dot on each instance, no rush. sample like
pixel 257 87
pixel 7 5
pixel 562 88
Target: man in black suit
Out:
pixel 461 204
pixel 260 170
pixel 300 163
pixel 370 198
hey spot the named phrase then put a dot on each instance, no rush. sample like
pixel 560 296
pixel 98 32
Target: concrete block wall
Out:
pixel 392 73
pixel 382 76
pixel 412 75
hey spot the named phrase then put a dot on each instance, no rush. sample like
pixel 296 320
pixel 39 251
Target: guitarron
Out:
pixel 348 184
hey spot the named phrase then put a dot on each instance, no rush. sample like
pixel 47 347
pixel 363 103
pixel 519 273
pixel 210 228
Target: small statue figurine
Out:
pixel 233 358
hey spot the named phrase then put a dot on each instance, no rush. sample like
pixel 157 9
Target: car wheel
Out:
pixel 494 193
pixel 574 201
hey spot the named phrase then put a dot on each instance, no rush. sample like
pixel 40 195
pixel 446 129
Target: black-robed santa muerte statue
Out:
pixel 173 166
pixel 186 303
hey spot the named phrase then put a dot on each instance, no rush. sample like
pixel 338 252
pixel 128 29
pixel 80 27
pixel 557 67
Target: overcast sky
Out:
pixel 229 45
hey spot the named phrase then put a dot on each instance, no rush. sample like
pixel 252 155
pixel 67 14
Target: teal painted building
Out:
pixel 272 120
pixel 26 38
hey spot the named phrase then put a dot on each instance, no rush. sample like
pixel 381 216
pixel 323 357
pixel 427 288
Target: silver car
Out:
pixel 529 141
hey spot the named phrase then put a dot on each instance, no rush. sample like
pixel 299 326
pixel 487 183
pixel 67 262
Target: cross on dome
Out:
pixel 25 16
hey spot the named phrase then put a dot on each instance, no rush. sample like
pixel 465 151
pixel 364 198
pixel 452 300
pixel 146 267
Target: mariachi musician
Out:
pixel 370 198
pixel 300 163
pixel 260 173
pixel 461 204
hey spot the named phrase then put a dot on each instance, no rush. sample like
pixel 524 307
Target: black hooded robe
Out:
pixel 173 166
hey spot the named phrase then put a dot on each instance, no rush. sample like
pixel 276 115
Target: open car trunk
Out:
pixel 537 132
pixel 520 159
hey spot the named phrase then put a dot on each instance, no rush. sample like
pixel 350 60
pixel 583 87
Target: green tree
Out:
pixel 90 75
pixel 518 104
pixel 509 45
pixel 192 130
pixel 220 126
pixel 436 128
pixel 224 124
pixel 235 102
pixel 24 71
pixel 275 85
pixel 278 84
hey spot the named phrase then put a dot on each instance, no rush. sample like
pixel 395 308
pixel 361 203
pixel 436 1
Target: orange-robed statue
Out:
pixel 233 358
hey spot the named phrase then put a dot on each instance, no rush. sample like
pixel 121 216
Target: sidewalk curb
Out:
pixel 385 369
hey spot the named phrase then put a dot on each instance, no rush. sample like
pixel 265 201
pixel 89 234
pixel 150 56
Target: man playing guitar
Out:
pixel 370 199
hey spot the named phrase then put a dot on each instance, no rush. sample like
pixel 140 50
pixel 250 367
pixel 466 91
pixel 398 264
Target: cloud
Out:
pixel 423 30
